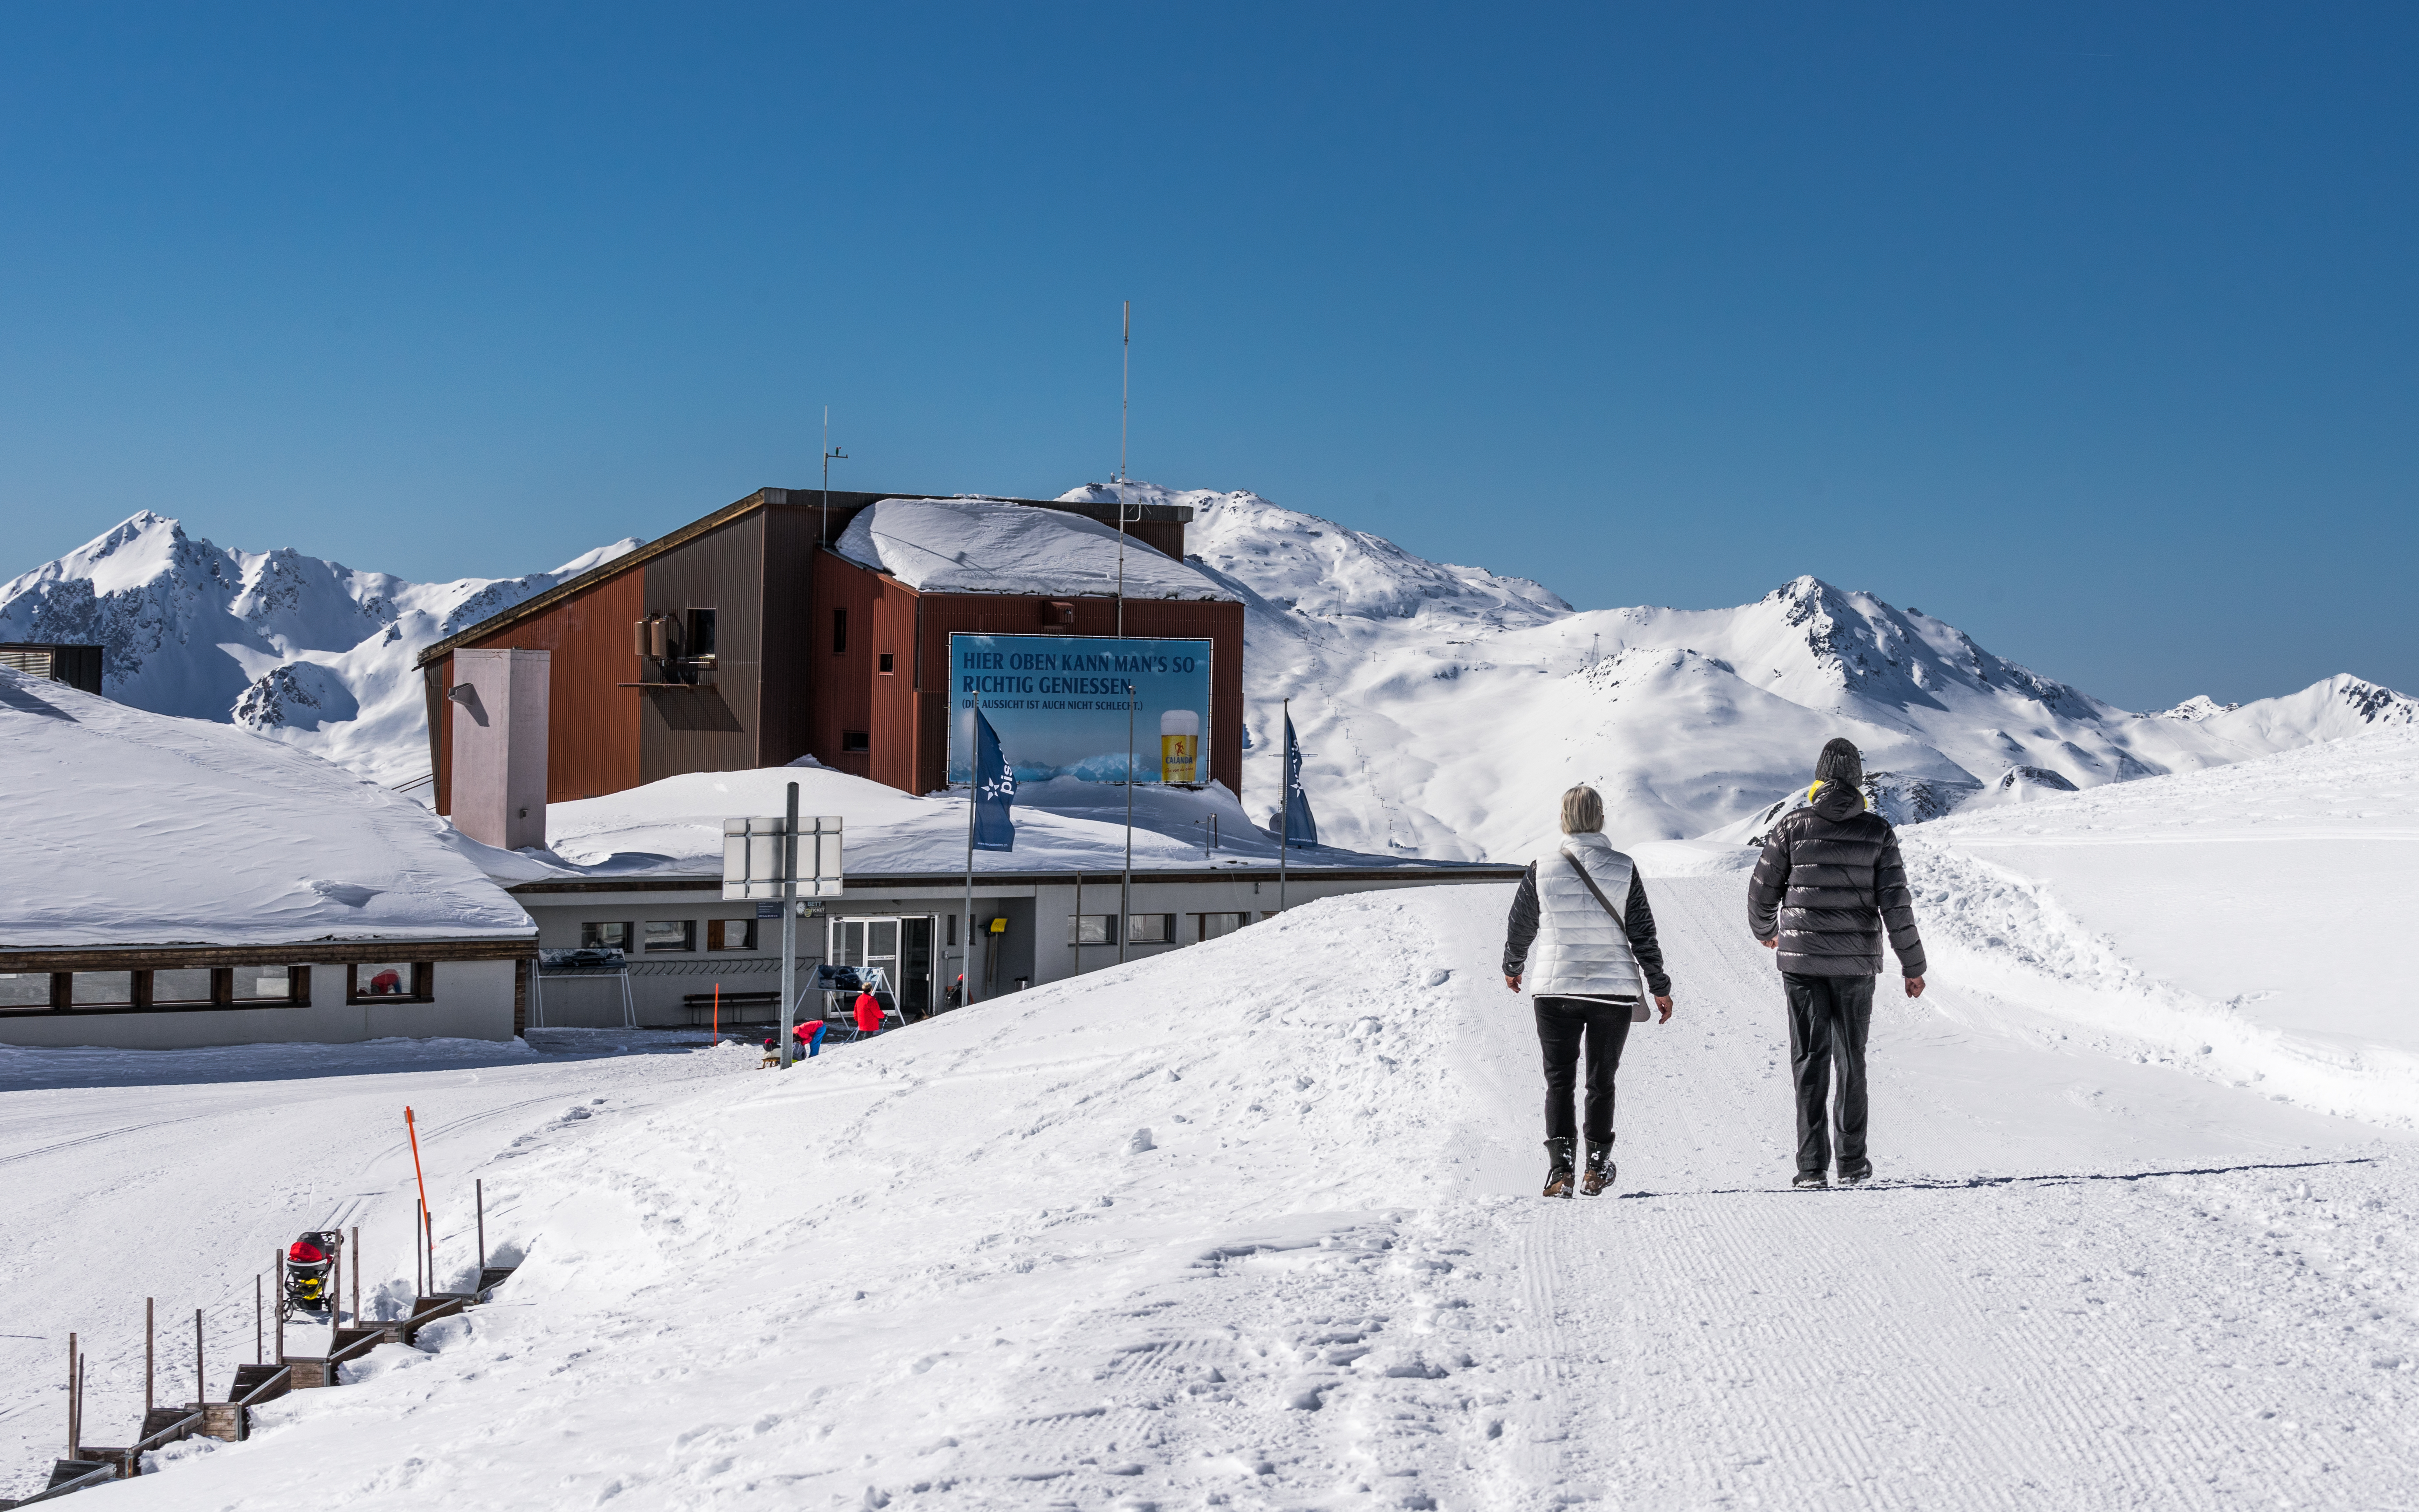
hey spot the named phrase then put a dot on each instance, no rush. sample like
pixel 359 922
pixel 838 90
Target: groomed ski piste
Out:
pixel 1255 1225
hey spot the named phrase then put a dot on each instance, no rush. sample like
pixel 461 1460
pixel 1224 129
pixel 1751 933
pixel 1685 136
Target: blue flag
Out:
pixel 994 789
pixel 1299 827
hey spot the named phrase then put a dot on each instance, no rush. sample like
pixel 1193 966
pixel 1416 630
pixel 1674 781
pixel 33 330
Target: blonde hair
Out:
pixel 1582 811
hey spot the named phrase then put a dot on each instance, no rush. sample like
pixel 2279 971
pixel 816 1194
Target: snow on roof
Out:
pixel 131 828
pixel 673 828
pixel 989 545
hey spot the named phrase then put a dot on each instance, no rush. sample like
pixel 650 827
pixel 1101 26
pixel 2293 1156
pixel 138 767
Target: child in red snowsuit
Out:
pixel 868 1013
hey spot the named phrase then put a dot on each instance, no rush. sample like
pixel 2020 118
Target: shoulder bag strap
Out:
pixel 1618 922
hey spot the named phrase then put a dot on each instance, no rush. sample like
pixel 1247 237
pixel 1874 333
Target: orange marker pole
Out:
pixel 717 1012
pixel 413 1131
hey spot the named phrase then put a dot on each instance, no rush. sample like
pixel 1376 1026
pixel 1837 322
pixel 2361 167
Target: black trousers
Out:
pixel 1562 1022
pixel 1829 1017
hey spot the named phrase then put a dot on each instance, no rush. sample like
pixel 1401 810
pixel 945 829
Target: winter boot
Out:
pixel 1598 1174
pixel 1856 1176
pixel 1558 1167
pixel 1811 1178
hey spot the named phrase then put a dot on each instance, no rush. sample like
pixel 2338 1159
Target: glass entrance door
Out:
pixel 915 967
pixel 902 948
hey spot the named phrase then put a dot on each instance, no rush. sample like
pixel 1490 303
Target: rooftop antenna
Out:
pixel 1125 399
pixel 823 520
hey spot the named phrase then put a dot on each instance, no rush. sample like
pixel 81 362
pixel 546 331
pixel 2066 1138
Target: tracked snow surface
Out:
pixel 1251 1226
pixel 307 650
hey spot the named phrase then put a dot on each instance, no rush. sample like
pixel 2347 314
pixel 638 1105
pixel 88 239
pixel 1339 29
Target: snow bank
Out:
pixel 128 827
pixel 673 828
pixel 986 545
pixel 2239 921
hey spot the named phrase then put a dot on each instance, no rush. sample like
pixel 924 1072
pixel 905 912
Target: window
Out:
pixel 730 934
pixel 671 934
pixel 1091 929
pixel 391 981
pixel 700 632
pixel 103 989
pixel 839 631
pixel 886 661
pixel 606 935
pixel 1152 929
pixel 182 987
pixel 166 988
pixel 952 931
pixel 1216 926
pixel 267 985
pixel 855 740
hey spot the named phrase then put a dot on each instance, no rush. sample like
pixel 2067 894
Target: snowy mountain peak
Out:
pixel 295 645
pixel 2196 708
pixel 1313 566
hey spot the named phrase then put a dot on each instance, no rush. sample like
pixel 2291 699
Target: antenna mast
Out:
pixel 1125 398
pixel 822 517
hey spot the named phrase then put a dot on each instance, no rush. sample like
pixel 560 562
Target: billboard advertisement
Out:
pixel 1061 704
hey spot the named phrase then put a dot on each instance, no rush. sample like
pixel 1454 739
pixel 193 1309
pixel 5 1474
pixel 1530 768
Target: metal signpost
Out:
pixel 788 860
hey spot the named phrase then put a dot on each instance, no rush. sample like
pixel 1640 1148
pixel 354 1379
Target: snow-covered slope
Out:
pixel 310 652
pixel 1442 708
pixel 1251 1226
pixel 2246 920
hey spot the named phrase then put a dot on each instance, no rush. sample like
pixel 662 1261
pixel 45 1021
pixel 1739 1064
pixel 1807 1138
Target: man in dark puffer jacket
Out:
pixel 1829 883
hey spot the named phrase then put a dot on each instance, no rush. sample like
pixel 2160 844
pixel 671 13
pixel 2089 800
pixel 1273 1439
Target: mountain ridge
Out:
pixel 1436 702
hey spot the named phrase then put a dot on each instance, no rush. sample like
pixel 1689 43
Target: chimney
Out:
pixel 500 746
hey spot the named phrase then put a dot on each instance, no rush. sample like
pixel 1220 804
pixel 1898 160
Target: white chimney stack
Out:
pixel 500 713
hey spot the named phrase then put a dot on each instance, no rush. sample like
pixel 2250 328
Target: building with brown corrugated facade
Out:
pixel 749 638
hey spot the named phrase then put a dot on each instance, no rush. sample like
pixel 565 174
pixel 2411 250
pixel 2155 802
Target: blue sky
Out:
pixel 2089 328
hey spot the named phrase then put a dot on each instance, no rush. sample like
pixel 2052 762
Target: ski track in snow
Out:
pixel 947 1270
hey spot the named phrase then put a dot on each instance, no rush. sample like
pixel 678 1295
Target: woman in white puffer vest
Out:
pixel 1581 938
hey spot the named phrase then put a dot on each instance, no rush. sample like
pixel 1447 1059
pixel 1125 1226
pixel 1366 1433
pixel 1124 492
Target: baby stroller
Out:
pixel 311 1271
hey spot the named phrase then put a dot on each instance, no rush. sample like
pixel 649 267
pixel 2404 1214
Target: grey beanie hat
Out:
pixel 1841 763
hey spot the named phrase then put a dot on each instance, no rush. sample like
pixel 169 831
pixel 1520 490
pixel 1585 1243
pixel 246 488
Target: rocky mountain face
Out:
pixel 307 650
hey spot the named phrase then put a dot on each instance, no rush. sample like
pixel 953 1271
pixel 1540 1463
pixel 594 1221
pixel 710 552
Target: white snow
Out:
pixel 1251 1226
pixel 2249 922
pixel 307 650
pixel 128 827
pixel 1427 694
pixel 1432 700
pixel 988 546
pixel 673 828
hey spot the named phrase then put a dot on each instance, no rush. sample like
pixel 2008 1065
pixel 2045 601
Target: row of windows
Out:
pixel 1149 928
pixel 673 936
pixel 207 987
pixel 660 936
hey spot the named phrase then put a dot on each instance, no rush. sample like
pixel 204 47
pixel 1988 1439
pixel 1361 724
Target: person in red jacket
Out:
pixel 868 1013
pixel 810 1036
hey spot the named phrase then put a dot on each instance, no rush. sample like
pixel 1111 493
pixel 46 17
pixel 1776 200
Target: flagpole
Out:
pixel 974 779
pixel 1125 889
pixel 1285 804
